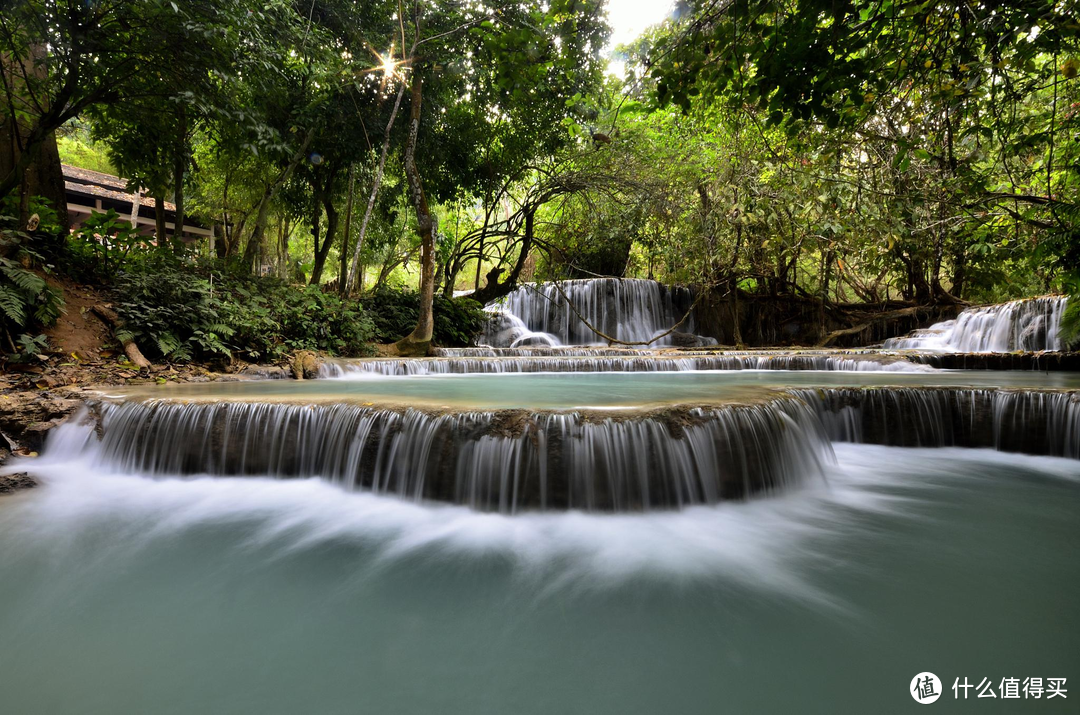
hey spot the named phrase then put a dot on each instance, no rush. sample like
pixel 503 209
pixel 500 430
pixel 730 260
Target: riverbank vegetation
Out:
pixel 355 160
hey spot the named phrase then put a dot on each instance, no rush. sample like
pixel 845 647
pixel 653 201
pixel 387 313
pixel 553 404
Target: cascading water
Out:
pixel 606 362
pixel 513 460
pixel 1032 324
pixel 630 310
pixel 504 461
pixel 1031 422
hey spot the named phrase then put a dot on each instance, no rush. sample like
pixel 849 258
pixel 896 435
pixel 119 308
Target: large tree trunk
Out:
pixel 29 159
pixel 332 218
pixel 418 342
pixel 44 177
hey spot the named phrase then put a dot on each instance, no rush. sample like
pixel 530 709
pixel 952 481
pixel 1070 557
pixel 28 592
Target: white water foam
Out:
pixel 1030 325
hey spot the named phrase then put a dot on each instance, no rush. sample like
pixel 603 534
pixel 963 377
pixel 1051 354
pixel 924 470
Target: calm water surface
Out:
pixel 596 389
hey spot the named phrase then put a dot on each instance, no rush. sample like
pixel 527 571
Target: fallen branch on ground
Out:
pixel 110 318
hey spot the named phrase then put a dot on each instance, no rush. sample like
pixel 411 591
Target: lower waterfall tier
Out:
pixel 504 461
pixel 594 460
pixel 1043 423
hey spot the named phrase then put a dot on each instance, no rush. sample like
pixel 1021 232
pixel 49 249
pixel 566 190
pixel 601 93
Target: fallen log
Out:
pixel 824 342
pixel 110 318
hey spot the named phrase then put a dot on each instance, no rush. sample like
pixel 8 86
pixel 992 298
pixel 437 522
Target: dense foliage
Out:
pixel 275 121
pixel 939 141
pixel 860 155
pixel 207 311
pixel 458 321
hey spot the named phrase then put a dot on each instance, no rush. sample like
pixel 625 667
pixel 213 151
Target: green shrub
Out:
pixel 394 314
pixel 104 245
pixel 185 311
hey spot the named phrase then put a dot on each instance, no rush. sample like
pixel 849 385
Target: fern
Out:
pixel 26 299
pixel 50 308
pixel 24 279
pixel 182 353
pixel 221 329
pixel 167 343
pixel 13 304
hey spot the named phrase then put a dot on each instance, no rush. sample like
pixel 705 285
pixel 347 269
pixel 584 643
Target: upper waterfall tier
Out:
pixel 635 361
pixel 628 309
pixel 1032 324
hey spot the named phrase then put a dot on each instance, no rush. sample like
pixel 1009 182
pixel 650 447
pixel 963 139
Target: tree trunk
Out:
pixel 332 218
pixel 179 167
pixel 29 159
pixel 268 196
pixel 440 274
pixel 284 229
pixel 349 284
pixel 43 177
pixel 451 280
pixel 733 308
pixel 343 271
pixel 494 290
pixel 159 222
pixel 959 276
pixel 316 228
pixel 418 342
pixel 109 316
pixel 221 241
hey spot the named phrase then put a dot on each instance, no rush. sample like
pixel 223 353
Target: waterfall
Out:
pixel 631 310
pixel 505 461
pixel 1033 422
pixel 517 460
pixel 1031 324
pixel 606 362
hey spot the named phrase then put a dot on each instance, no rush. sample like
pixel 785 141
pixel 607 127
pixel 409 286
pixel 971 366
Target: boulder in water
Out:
pixel 11 483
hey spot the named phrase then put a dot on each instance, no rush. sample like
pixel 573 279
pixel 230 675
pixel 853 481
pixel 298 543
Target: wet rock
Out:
pixel 11 483
pixel 305 365
pixel 687 340
pixel 1044 361
pixel 25 417
pixel 267 372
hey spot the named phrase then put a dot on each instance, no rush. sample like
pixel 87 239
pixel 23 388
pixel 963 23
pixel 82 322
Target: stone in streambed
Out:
pixel 11 483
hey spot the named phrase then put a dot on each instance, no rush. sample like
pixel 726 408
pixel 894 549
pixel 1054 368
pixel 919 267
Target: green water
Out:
pixel 567 390
pixel 121 595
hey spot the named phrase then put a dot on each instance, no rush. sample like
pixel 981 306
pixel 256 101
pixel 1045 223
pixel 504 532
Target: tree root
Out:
pixel 869 321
